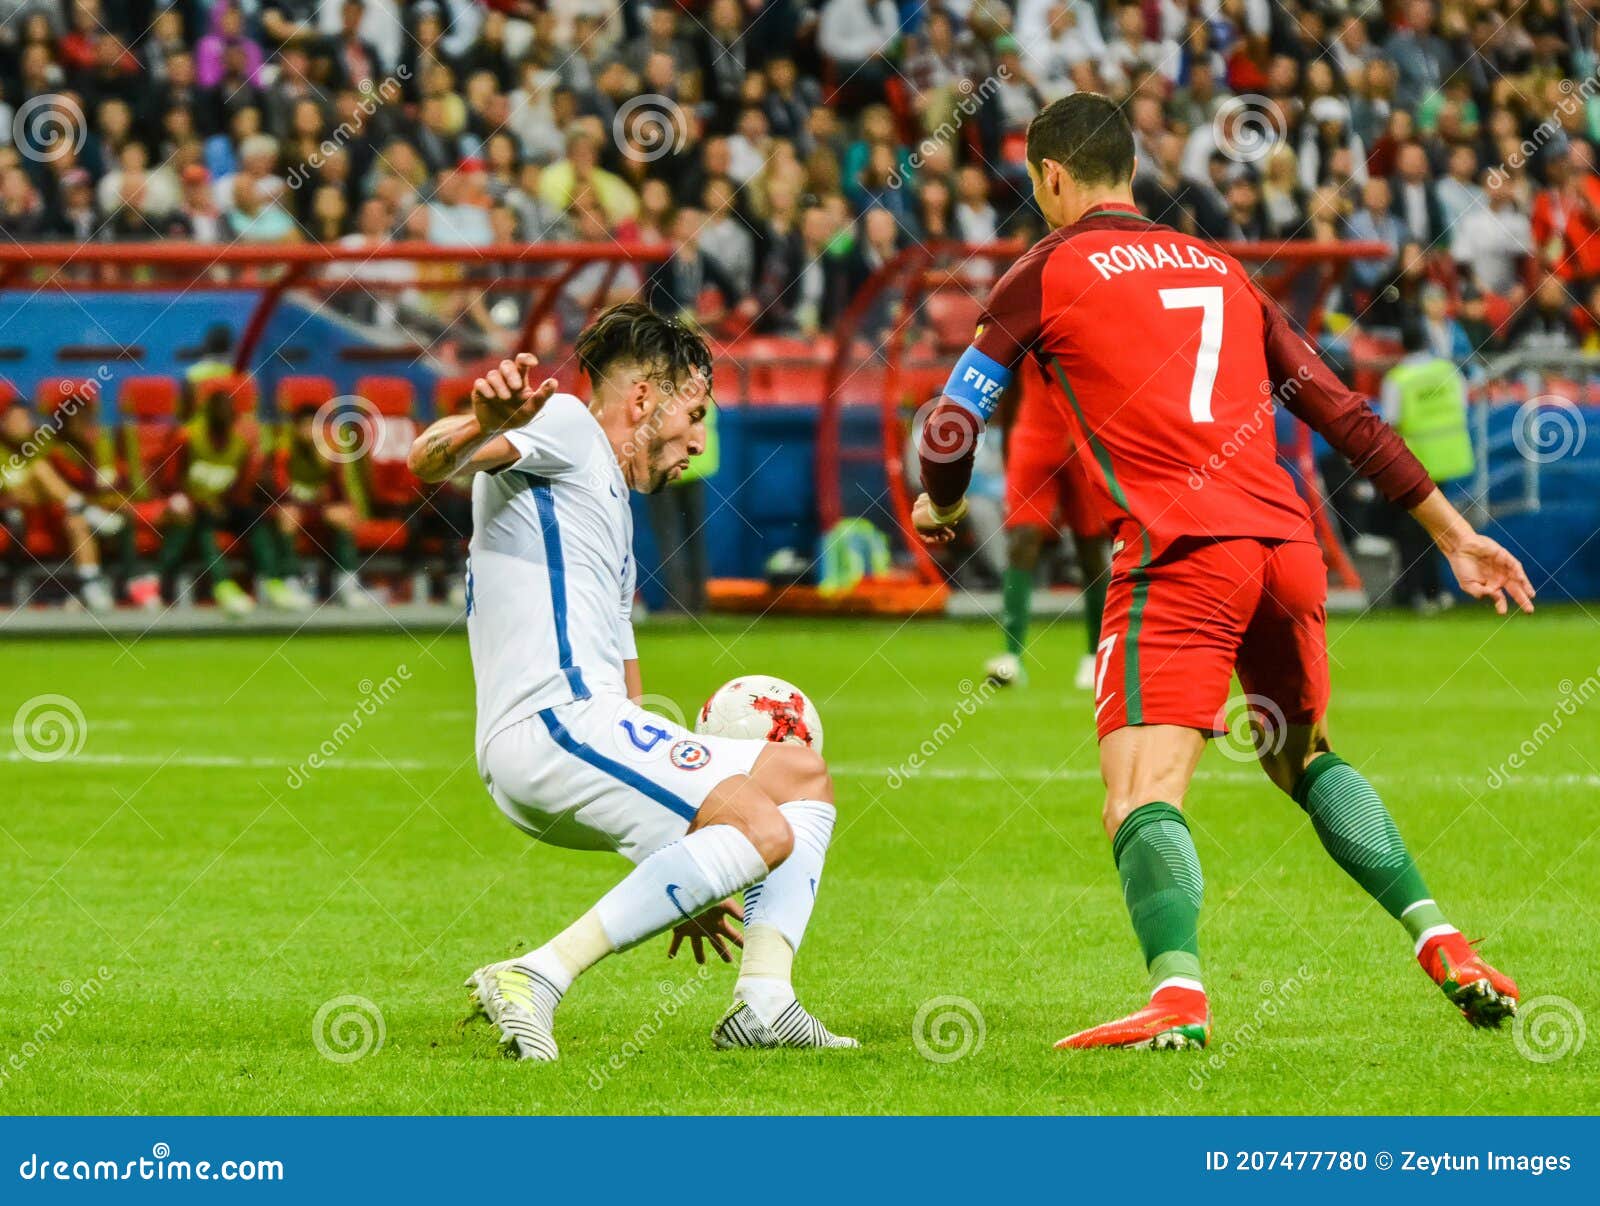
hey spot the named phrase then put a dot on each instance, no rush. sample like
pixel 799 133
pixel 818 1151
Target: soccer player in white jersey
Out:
pixel 564 748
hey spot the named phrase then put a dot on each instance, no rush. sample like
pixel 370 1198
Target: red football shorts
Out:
pixel 1044 482
pixel 1175 631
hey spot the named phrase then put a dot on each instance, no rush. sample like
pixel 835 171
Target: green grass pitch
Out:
pixel 175 911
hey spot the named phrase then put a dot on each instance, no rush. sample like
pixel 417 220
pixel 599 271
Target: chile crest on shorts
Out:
pixel 689 755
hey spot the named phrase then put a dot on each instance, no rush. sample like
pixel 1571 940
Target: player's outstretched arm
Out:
pixel 1309 389
pixel 1483 567
pixel 503 399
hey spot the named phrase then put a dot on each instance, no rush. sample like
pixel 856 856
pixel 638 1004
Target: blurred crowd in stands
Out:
pixel 783 149
pixel 779 152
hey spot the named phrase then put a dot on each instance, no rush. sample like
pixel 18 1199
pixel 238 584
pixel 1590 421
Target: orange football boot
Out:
pixel 1177 1017
pixel 1484 996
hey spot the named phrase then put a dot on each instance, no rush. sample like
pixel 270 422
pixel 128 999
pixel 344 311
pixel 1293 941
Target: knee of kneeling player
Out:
pixel 797 772
pixel 770 834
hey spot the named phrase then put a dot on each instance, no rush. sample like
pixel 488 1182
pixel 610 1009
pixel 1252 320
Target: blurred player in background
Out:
pixel 33 493
pixel 219 461
pixel 1215 566
pixel 85 456
pixel 1046 490
pixel 564 747
pixel 313 501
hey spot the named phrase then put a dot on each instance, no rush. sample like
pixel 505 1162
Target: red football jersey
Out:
pixel 1041 418
pixel 1169 364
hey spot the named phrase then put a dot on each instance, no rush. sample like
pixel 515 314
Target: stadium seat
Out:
pixel 392 396
pixel 147 399
pixel 53 391
pixel 392 489
pixel 953 315
pixel 787 383
pixel 240 386
pixel 294 392
pixel 450 395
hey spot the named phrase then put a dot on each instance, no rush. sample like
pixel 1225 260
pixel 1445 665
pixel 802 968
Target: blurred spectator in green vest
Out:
pixel 1425 400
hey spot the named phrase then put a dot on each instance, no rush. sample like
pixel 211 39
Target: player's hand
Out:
pixel 715 926
pixel 506 397
pixel 933 526
pixel 1487 571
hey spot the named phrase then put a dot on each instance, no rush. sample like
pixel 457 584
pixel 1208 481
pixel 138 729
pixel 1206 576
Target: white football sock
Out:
pixel 571 952
pixel 678 882
pixel 778 909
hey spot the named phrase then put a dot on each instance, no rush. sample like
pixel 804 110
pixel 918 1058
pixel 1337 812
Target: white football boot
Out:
pixel 522 1003
pixel 741 1026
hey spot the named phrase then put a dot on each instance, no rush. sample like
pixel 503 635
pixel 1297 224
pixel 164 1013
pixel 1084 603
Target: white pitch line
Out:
pixel 956 774
pixel 226 762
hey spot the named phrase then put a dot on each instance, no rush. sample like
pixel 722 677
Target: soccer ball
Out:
pixel 761 708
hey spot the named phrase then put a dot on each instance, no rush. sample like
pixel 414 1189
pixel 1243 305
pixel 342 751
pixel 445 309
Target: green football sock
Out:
pixel 1357 830
pixel 174 547
pixel 344 551
pixel 1018 598
pixel 1162 886
pixel 264 549
pixel 286 556
pixel 1094 607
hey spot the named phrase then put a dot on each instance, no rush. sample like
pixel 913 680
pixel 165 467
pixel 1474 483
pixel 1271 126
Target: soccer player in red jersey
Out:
pixel 1171 363
pixel 1046 485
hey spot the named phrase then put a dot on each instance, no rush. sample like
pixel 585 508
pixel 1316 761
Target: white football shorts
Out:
pixel 606 774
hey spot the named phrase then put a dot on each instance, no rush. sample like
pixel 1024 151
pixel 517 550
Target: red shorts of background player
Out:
pixel 1177 628
pixel 1046 487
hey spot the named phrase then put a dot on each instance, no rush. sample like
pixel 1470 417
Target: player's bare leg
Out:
pixel 765 1011
pixel 1147 769
pixel 1360 835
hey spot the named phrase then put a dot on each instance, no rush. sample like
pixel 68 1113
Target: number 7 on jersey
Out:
pixel 1208 300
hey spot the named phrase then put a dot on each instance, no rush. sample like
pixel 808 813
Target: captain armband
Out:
pixel 976 383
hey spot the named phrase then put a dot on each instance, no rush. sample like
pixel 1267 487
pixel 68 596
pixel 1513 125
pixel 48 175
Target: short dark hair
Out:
pixel 1087 134
pixel 634 333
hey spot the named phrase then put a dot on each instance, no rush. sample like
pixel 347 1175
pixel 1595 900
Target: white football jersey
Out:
pixel 550 576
